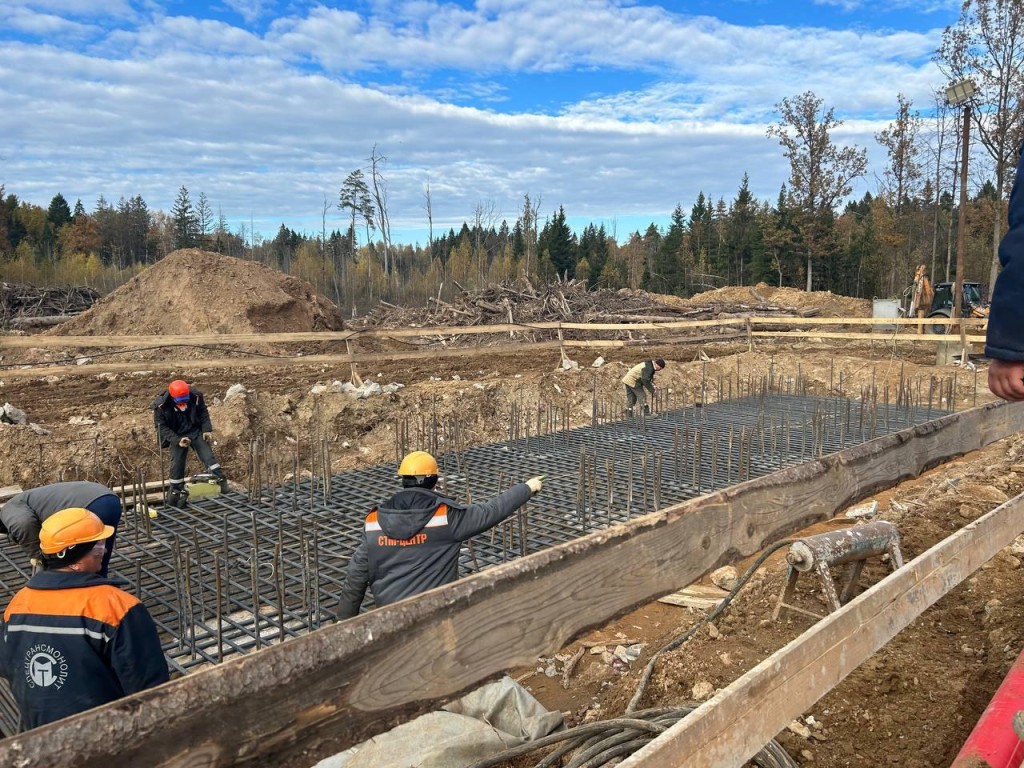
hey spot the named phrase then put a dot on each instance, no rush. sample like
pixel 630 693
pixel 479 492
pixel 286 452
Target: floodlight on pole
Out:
pixel 960 94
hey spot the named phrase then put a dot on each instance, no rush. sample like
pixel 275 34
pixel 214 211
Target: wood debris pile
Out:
pixel 26 306
pixel 521 302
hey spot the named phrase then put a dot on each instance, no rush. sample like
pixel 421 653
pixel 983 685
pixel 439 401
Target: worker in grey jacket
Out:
pixel 22 517
pixel 411 541
pixel 639 378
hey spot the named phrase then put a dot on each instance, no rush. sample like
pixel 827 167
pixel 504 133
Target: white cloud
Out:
pixel 257 125
pixel 250 10
pixel 45 25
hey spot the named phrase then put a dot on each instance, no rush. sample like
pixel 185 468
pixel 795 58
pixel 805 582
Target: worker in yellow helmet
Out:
pixel 71 639
pixel 411 541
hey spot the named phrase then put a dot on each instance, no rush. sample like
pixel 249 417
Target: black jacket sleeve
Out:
pixel 1005 338
pixel 357 579
pixel 467 522
pixel 167 435
pixel 135 652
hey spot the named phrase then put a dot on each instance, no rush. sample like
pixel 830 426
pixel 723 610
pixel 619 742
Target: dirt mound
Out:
pixel 194 291
pixel 829 304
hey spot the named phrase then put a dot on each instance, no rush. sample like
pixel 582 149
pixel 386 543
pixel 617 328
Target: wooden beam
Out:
pixel 56 342
pixel 885 338
pixel 902 322
pixel 732 727
pixel 29 372
pixel 106 341
pixel 290 704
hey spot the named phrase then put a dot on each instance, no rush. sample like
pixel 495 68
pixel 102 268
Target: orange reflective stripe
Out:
pixel 440 517
pixel 104 603
pixel 371 521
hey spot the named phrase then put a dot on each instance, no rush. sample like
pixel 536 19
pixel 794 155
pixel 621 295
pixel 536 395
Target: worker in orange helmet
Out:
pixel 411 541
pixel 71 639
pixel 183 422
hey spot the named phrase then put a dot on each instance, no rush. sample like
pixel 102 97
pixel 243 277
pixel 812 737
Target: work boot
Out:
pixel 176 498
pixel 219 478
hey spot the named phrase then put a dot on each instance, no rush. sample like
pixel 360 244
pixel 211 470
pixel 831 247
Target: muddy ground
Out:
pixel 912 704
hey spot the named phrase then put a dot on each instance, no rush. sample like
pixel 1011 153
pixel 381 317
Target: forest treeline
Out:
pixel 812 235
pixel 869 249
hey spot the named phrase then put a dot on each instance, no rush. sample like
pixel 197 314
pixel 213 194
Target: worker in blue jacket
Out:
pixel 71 639
pixel 411 541
pixel 1005 340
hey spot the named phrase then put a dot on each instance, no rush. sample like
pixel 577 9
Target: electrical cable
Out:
pixel 672 645
pixel 605 742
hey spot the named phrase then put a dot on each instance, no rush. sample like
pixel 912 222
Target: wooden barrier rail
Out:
pixel 742 326
pixel 89 342
pixel 291 704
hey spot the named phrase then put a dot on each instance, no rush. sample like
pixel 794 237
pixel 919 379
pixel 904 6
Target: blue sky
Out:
pixel 616 110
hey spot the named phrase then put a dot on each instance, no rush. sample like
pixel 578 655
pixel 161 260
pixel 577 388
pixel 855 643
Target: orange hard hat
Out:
pixel 71 526
pixel 418 464
pixel 178 389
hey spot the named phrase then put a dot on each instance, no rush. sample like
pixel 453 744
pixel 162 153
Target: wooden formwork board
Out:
pixel 732 727
pixel 291 704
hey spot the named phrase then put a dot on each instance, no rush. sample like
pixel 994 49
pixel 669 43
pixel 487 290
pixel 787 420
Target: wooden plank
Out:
pixel 86 342
pixel 245 362
pixel 902 322
pixel 700 596
pixel 54 342
pixel 8 492
pixel 28 372
pixel 291 704
pixel 887 338
pixel 733 726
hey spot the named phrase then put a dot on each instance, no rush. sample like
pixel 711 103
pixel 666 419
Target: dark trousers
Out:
pixel 635 395
pixel 179 455
pixel 108 509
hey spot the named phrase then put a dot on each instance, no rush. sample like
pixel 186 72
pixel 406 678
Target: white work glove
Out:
pixel 535 483
pixel 208 437
pixel 185 442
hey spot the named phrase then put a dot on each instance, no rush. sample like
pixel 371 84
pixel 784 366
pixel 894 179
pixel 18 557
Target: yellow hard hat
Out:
pixel 69 527
pixel 418 464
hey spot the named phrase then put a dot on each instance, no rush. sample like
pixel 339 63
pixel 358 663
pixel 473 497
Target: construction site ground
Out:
pixel 912 704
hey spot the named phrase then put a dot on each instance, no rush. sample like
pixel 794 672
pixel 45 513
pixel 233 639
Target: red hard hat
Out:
pixel 178 388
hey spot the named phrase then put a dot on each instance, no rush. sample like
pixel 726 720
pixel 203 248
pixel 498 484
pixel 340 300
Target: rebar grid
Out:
pixel 236 572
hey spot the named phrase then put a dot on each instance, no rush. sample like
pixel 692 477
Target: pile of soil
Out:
pixel 827 303
pixel 193 291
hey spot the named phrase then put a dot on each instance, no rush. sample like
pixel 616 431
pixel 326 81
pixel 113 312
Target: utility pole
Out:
pixel 960 93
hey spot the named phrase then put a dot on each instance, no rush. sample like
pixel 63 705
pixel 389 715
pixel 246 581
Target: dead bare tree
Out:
pixel 380 198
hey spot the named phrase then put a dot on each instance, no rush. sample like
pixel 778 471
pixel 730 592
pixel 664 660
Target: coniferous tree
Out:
pixel 558 241
pixel 186 222
pixel 59 212
pixel 667 273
